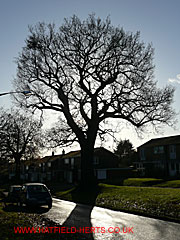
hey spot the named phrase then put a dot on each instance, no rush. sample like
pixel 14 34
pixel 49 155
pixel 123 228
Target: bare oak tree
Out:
pixel 90 71
pixel 20 137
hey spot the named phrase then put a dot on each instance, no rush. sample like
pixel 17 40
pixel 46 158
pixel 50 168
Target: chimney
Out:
pixel 63 152
pixel 52 153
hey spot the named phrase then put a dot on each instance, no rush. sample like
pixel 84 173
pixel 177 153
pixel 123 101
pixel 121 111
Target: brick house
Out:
pixel 67 167
pixel 160 157
pixel 31 170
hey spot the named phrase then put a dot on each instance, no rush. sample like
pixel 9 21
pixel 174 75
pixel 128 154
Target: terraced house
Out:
pixel 160 157
pixel 67 167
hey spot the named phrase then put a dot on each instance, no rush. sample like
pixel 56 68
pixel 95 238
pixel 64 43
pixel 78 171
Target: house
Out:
pixel 29 170
pixel 67 167
pixel 160 157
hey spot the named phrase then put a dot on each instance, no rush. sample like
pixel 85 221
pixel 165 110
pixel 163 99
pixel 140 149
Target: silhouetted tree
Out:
pixel 20 137
pixel 90 71
pixel 125 152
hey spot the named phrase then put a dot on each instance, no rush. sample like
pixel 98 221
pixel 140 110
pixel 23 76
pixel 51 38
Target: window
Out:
pixel 95 160
pixel 49 176
pixel 101 174
pixel 157 165
pixel 158 149
pixel 172 166
pixel 66 161
pixel 43 167
pixel 139 166
pixel 142 154
pixel 49 164
pixel 172 151
pixel 72 162
pixel 37 188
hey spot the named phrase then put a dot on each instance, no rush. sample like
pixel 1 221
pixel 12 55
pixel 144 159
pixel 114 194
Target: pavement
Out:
pixel 104 224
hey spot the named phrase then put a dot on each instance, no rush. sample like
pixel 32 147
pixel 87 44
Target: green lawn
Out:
pixel 159 202
pixel 11 219
pixel 149 201
pixel 162 201
pixel 141 182
pixel 145 182
pixel 170 184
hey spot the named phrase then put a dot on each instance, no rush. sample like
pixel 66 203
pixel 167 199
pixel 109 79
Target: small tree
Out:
pixel 20 137
pixel 90 71
pixel 126 152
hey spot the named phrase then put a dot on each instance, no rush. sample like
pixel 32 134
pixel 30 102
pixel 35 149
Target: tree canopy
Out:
pixel 20 137
pixel 125 152
pixel 90 71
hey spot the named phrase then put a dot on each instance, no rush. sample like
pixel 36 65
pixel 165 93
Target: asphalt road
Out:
pixel 103 224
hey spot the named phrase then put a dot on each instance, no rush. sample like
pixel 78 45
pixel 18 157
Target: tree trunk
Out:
pixel 88 178
pixel 18 171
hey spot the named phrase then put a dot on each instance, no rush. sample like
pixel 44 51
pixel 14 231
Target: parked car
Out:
pixel 13 196
pixel 35 194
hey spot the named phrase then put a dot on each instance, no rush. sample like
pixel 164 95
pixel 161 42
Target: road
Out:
pixel 110 225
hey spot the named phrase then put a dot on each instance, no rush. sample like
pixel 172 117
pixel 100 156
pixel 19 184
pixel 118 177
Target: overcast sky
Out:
pixel 157 20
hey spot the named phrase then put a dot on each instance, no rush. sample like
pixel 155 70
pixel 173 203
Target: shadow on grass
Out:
pixel 24 209
pixel 81 214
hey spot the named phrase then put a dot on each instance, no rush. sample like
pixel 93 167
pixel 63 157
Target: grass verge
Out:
pixel 145 182
pixel 148 201
pixel 11 219
pixel 170 184
pixel 141 182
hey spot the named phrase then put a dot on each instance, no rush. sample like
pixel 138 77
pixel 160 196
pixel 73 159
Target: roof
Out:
pixel 60 156
pixel 15 186
pixel 29 184
pixel 162 141
pixel 71 154
pixel 51 158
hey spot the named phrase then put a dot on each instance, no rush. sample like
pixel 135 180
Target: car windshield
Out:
pixel 15 189
pixel 37 188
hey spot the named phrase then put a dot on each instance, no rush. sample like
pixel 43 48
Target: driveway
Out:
pixel 103 224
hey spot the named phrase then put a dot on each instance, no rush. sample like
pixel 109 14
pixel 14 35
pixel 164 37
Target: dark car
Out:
pixel 35 194
pixel 13 195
